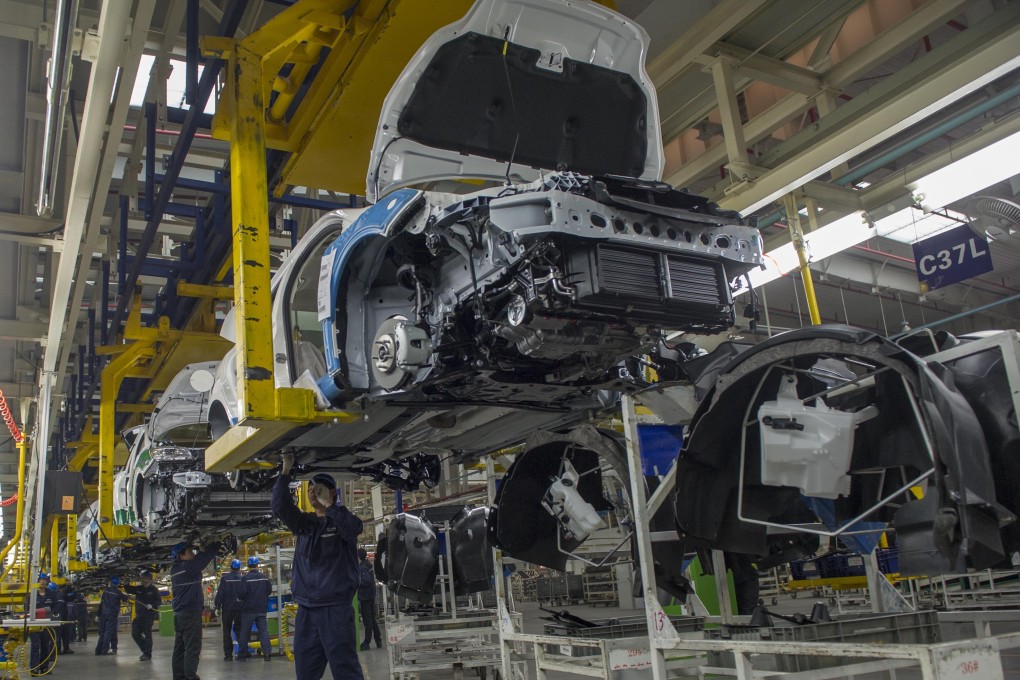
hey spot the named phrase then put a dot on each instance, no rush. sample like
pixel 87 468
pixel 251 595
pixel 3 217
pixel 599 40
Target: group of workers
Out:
pixel 328 571
pixel 61 605
pixel 146 599
pixel 241 600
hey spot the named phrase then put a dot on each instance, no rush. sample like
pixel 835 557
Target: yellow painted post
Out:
pixel 249 204
pixel 20 514
pixel 55 546
pixel 72 540
pixel 797 236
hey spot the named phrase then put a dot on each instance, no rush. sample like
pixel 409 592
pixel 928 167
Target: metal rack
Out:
pixel 444 642
pixel 667 652
pixel 600 586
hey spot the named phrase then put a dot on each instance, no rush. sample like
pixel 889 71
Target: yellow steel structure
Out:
pixel 73 564
pixel 11 595
pixel 365 52
pixel 154 353
pixel 294 36
pixel 797 236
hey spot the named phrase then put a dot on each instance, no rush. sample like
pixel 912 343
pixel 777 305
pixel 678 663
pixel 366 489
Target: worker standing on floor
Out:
pixel 109 617
pixel 366 601
pixel 81 610
pixel 257 590
pixel 43 650
pixel 58 600
pixel 186 583
pixel 147 601
pixel 228 601
pixel 324 577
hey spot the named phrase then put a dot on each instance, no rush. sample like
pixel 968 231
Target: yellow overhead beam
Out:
pixel 196 290
pixel 267 413
pixel 154 353
pixel 339 111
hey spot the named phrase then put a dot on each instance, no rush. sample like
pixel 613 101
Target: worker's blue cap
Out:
pixel 44 576
pixel 324 479
pixel 115 581
pixel 51 585
pixel 178 549
pixel 235 564
pixel 253 561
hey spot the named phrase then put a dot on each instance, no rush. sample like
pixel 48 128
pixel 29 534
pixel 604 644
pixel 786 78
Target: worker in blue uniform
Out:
pixel 147 601
pixel 109 615
pixel 228 602
pixel 186 584
pixel 43 650
pixel 324 577
pixel 366 601
pixel 58 605
pixel 81 610
pixel 67 615
pixel 257 591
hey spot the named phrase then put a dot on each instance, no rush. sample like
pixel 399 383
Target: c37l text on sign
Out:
pixel 950 257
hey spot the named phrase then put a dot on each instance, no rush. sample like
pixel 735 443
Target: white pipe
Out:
pixel 40 444
pixel 113 23
pixel 58 76
pixel 114 20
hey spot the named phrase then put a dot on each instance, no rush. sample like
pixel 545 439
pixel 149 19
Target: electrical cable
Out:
pixel 285 613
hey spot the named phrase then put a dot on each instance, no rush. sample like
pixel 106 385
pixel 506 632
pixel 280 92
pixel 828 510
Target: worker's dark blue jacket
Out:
pixel 146 595
pixel 58 604
pixel 109 603
pixel 230 593
pixel 325 559
pixel 44 598
pixel 257 591
pixel 186 580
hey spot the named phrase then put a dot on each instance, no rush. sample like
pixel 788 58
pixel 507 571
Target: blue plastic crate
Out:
pixel 855 565
pixel 832 566
pixel 660 445
pixel 804 570
pixel 888 560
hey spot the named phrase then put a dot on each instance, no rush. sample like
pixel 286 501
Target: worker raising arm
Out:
pixel 186 582
pixel 324 577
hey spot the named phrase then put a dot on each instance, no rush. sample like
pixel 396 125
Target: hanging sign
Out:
pixel 950 257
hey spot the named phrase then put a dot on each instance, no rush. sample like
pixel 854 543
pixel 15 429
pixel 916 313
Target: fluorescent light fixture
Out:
pixel 824 242
pixel 911 224
pixel 981 169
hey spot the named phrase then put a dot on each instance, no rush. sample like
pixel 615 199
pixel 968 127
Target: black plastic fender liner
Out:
pixel 518 524
pixel 412 557
pixel 470 550
pixel 982 379
pixel 708 467
pixel 520 527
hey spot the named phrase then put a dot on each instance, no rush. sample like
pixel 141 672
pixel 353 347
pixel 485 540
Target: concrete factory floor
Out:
pixel 84 665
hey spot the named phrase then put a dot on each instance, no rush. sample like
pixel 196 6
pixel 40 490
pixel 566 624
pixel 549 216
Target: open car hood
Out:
pixel 518 87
